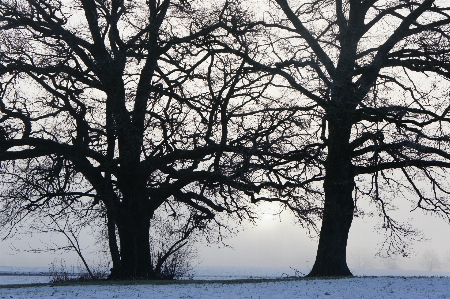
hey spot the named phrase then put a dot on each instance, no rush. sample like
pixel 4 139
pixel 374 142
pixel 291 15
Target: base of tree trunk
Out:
pixel 324 271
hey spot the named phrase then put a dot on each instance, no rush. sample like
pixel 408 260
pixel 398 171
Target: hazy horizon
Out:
pixel 272 243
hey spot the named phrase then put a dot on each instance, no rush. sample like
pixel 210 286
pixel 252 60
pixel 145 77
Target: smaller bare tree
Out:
pixel 72 236
pixel 430 260
pixel 172 245
pixel 70 224
pixel 360 259
pixel 390 263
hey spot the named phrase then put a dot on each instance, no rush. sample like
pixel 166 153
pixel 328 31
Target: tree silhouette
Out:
pixel 430 260
pixel 371 78
pixel 122 108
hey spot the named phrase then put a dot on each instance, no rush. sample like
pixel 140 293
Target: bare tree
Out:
pixel 121 107
pixel 391 263
pixel 429 260
pixel 370 77
pixel 360 258
pixel 173 245
pixel 72 237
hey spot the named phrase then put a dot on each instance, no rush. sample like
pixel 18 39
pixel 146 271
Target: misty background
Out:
pixel 275 241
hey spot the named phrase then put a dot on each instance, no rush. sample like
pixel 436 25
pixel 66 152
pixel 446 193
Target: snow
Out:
pixel 23 279
pixel 400 284
pixel 358 287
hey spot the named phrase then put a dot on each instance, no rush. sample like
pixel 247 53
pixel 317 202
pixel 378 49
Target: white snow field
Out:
pixel 358 287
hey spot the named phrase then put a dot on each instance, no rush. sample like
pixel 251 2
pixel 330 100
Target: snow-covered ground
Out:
pixel 400 284
pixel 15 275
pixel 360 287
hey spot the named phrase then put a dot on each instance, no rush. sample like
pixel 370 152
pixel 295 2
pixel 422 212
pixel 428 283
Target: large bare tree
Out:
pixel 123 107
pixel 371 79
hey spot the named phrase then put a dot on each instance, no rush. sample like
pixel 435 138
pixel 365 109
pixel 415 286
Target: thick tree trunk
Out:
pixel 331 253
pixel 339 205
pixel 133 226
